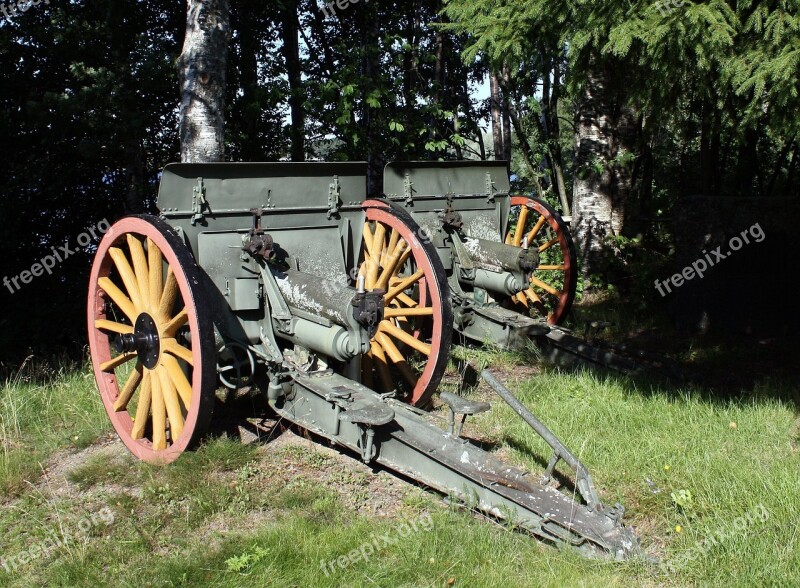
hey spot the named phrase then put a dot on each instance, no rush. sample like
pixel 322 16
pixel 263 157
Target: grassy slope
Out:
pixel 234 515
pixel 42 409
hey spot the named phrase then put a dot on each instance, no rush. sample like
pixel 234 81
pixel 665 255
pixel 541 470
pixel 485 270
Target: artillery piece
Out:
pixel 510 260
pixel 284 273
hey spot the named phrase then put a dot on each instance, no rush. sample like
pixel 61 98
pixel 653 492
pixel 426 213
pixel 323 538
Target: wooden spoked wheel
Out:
pixel 151 339
pixel 552 284
pixel 408 354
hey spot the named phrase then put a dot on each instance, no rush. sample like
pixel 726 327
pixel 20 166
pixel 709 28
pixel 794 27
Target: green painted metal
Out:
pixel 392 434
pixel 482 269
pixel 301 304
pixel 313 213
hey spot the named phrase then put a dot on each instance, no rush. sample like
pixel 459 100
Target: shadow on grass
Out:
pixel 719 367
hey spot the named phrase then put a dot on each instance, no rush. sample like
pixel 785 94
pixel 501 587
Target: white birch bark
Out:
pixel 201 69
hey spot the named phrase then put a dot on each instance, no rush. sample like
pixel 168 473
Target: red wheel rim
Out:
pixel 552 289
pixel 431 331
pixel 192 396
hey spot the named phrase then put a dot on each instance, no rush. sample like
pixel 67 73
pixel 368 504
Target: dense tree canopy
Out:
pixel 614 109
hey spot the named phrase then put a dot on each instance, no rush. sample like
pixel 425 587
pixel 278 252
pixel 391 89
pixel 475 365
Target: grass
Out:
pixel 42 409
pixel 687 465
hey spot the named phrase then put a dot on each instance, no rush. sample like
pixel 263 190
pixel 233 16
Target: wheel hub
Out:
pixel 144 341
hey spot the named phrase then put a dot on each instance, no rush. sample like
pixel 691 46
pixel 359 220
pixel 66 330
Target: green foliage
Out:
pixel 683 499
pixel 244 562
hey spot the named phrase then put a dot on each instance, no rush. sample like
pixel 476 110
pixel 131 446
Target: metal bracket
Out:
pixel 278 309
pixel 367 418
pixel 334 197
pixel 464 258
pixel 451 219
pixel 490 191
pixel 408 189
pixel 199 202
pixel 461 406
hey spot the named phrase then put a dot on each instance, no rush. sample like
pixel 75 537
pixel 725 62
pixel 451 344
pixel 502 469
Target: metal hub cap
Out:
pixel 144 341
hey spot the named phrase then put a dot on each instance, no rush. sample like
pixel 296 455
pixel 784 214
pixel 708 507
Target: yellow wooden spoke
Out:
pixel 520 230
pixel 176 322
pixel 168 296
pixel 536 228
pixel 533 296
pixel 121 300
pixel 548 245
pixel 381 366
pixel 368 240
pixel 394 262
pixel 545 286
pixel 140 268
pixel 509 237
pixel 391 349
pixel 396 306
pixel 170 395
pixel 552 268
pixel 397 358
pixel 155 263
pixel 393 240
pixel 179 379
pixel 378 244
pixel 128 277
pixel 521 298
pixel 407 300
pixel 117 361
pixel 399 334
pixel 405 312
pixel 121 403
pixel 391 263
pixel 403 284
pixel 159 415
pixel 107 325
pixel 172 346
pixel 143 407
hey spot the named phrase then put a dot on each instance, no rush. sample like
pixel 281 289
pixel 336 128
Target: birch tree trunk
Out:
pixel 201 69
pixel 606 141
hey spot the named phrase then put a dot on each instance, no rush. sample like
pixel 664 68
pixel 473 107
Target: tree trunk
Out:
pixel 608 130
pixel 554 134
pixel 506 110
pixel 525 147
pixel 201 69
pixel 497 122
pixel 291 55
pixel 248 105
